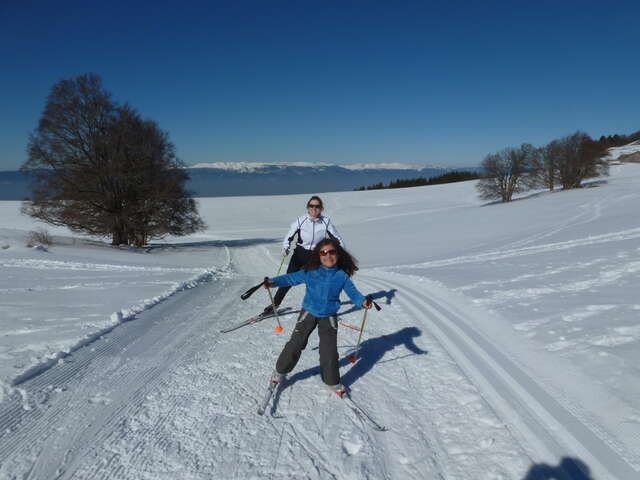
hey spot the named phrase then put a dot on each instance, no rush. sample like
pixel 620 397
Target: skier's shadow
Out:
pixel 568 469
pixel 371 352
pixel 389 295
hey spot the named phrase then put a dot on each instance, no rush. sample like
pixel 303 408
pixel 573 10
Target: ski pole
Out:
pixel 278 328
pixel 280 267
pixel 353 358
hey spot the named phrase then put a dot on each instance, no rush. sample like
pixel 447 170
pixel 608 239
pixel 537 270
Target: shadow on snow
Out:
pixel 568 469
pixel 371 353
pixel 245 242
pixel 388 295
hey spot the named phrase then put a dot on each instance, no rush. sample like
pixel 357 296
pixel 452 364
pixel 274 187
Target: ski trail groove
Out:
pixel 97 386
pixel 150 437
pixel 623 235
pixel 510 389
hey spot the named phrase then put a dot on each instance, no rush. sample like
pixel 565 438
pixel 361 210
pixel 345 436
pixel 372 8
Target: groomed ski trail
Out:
pixel 168 396
pixel 545 427
pixel 63 412
pixel 177 399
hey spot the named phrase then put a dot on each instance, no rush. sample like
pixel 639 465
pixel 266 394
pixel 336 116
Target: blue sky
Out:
pixel 440 83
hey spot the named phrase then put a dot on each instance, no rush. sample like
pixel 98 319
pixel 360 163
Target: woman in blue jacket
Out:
pixel 326 274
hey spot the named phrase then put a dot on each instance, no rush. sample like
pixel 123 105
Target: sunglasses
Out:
pixel 324 253
pixel 314 205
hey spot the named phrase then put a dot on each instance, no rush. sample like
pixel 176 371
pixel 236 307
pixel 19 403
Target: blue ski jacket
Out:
pixel 324 285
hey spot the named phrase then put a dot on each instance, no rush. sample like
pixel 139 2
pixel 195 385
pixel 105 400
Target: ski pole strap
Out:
pixel 249 292
pixel 331 235
pixel 350 326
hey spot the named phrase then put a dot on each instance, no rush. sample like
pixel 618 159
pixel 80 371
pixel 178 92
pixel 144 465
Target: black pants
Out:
pixel 298 260
pixel 328 333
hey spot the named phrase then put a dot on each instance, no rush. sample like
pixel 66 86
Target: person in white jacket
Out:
pixel 310 229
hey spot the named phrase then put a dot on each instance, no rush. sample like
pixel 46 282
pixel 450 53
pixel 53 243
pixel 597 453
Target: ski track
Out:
pixel 162 398
pixel 630 234
pixel 167 396
pixel 97 385
pixel 543 425
pixel 459 435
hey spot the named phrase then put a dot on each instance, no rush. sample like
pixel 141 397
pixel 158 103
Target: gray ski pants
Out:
pixel 328 334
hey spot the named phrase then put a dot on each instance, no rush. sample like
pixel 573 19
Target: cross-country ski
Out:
pixel 255 319
pixel 274 383
pixel 363 414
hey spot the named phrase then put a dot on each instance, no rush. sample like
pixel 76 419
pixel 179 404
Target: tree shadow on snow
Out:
pixel 514 200
pixel 245 242
pixel 568 469
pixel 371 352
pixel 586 184
pixel 388 295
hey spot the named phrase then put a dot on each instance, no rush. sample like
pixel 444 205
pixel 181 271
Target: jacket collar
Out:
pixel 327 269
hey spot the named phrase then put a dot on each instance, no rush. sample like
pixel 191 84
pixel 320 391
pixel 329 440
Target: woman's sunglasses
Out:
pixel 314 205
pixel 324 253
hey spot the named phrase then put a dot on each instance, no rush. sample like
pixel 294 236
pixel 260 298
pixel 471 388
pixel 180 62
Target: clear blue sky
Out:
pixel 415 82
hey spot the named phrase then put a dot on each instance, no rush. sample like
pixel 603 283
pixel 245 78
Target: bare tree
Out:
pixel 578 157
pixel 98 168
pixel 568 161
pixel 543 171
pixel 504 173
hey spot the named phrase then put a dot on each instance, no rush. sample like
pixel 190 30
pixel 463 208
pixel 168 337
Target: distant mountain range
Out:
pixel 225 179
pixel 243 178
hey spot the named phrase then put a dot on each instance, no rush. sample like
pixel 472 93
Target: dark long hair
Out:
pixel 346 262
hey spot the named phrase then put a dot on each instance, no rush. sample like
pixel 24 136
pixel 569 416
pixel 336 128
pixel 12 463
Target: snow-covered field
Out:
pixel 507 347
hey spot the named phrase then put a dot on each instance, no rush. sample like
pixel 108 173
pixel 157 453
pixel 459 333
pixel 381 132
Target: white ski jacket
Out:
pixel 311 232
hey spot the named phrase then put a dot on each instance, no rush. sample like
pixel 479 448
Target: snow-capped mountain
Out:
pixel 227 179
pixel 243 178
pixel 259 166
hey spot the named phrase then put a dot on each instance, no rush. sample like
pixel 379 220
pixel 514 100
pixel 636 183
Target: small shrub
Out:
pixel 39 237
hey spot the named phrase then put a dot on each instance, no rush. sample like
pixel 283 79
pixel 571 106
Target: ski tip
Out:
pixel 278 329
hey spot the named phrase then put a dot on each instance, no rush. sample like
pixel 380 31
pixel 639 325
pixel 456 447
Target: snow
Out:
pixel 616 152
pixel 508 343
pixel 255 166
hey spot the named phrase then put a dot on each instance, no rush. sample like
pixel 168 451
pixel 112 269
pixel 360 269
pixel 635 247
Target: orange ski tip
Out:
pixel 278 329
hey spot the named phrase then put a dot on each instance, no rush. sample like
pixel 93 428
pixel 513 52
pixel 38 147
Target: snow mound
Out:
pixel 629 152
